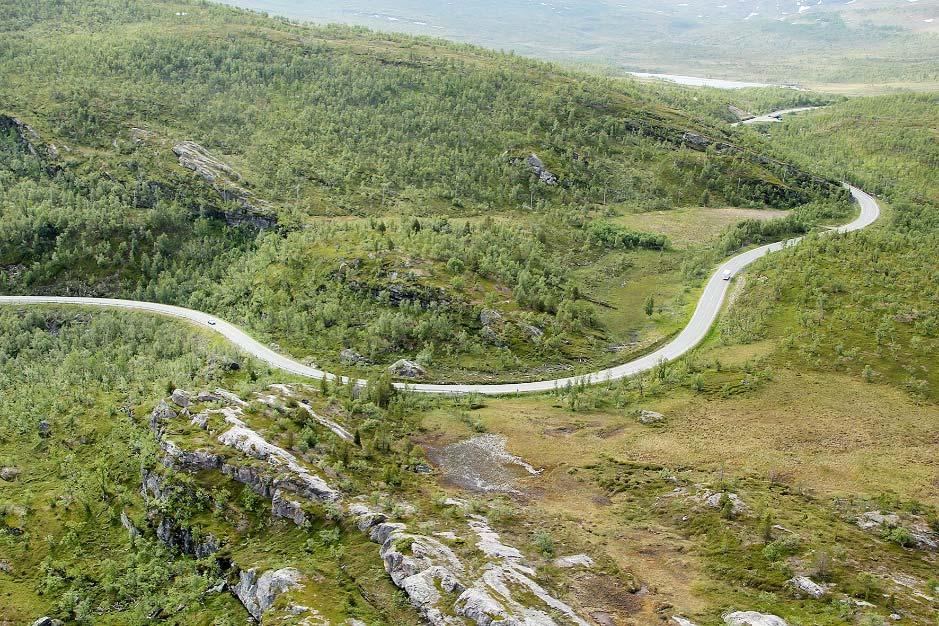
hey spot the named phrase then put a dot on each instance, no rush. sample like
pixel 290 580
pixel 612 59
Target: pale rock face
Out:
pixel 576 560
pixel 365 518
pixel 875 519
pixel 407 369
pixel 714 501
pixel 180 398
pixel 259 594
pixel 287 508
pixel 650 417
pixel 805 585
pixel 752 618
pixel 681 621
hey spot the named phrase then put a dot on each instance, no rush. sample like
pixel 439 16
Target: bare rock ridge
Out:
pixel 227 183
pixel 488 583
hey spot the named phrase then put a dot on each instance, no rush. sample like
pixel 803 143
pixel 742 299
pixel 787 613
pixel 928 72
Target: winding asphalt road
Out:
pixel 709 306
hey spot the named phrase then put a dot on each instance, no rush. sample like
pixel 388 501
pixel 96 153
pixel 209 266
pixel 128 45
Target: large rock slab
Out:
pixel 258 594
pixel 752 618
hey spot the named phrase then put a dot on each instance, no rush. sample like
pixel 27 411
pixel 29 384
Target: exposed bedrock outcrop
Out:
pixel 501 591
pixel 258 593
pixel 226 182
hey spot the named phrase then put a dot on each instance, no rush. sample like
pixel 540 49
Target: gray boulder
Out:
pixel 205 396
pixel 162 413
pixel 259 594
pixel 650 417
pixel 876 519
pixel 181 398
pixel 407 369
pixel 805 586
pixel 9 473
pixel 287 509
pixel 752 618
pixel 350 357
pixel 487 317
pixel 543 174
pixel 575 560
pixel 714 501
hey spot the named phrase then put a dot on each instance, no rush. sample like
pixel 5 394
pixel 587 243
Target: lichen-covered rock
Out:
pixel 714 501
pixel 207 396
pixel 542 172
pixel 350 357
pixel 876 519
pixel 197 460
pixel 575 560
pixel 407 369
pixel 752 618
pixel 181 398
pixel 286 508
pixel 806 586
pixel 488 317
pixel 258 594
pixel 650 417
pixel 365 518
pixel 162 413
pixel 186 540
pixel 9 473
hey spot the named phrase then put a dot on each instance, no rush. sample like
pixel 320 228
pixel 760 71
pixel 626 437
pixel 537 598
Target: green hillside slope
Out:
pixel 401 188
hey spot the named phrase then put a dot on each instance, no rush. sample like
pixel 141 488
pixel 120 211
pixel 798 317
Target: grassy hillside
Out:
pixel 392 180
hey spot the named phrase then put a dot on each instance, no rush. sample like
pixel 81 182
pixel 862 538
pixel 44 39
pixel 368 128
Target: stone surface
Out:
pixel 650 417
pixel 714 501
pixel 258 594
pixel 575 560
pixel 181 398
pixel 681 621
pixel 876 519
pixel 350 357
pixel 407 369
pixel 752 618
pixel 286 508
pixel 9 473
pixel 538 167
pixel 806 586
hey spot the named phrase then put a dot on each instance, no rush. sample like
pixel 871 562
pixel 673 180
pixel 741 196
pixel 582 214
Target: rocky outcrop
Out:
pixel 752 618
pixel 181 398
pixel 715 501
pixel 575 560
pixel 542 172
pixel 185 539
pixel 350 358
pixel 876 519
pixel 681 621
pixel 162 413
pixel 281 506
pixel 194 157
pixel 258 594
pixel 650 417
pixel 803 585
pixel 29 139
pixel 441 587
pixel 407 369
pixel 225 181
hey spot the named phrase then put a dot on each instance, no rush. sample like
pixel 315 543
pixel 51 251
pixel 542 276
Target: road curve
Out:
pixel 705 313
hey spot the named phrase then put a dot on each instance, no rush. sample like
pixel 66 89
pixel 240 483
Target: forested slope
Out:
pixel 333 188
